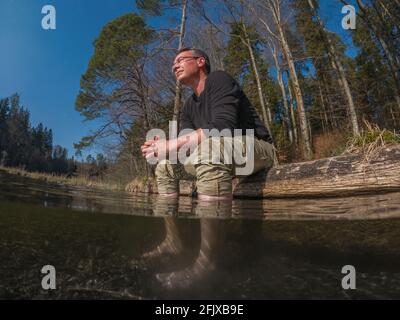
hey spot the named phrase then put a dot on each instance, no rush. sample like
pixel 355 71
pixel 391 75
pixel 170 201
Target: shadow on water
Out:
pixel 134 247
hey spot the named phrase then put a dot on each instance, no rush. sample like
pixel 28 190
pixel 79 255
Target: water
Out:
pixel 120 246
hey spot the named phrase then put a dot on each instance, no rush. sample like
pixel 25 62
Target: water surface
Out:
pixel 115 245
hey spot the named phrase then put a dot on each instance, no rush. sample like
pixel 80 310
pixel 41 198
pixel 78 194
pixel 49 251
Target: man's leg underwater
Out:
pixel 212 237
pixel 166 204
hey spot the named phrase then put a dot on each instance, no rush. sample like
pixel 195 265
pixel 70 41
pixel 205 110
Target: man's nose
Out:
pixel 175 67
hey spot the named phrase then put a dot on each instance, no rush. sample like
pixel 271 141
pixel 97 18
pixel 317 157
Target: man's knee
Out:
pixel 214 179
pixel 216 150
pixel 164 169
pixel 207 152
pixel 167 182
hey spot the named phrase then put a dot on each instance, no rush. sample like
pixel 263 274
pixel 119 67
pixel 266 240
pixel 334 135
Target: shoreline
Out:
pixel 62 179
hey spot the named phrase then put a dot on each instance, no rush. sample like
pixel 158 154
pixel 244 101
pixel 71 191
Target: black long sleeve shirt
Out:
pixel 222 105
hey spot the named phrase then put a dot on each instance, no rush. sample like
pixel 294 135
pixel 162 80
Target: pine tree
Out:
pixel 327 52
pixel 114 87
pixel 375 85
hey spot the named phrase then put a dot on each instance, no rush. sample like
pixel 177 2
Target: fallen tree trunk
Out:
pixel 345 175
pixel 335 176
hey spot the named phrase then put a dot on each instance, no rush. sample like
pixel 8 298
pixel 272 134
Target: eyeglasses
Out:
pixel 183 59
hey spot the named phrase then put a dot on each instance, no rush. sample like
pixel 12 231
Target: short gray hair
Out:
pixel 198 53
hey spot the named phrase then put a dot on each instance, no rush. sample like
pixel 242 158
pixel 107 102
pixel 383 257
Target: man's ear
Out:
pixel 202 62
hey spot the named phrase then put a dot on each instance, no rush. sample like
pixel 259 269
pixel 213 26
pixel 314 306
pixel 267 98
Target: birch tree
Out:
pixel 276 31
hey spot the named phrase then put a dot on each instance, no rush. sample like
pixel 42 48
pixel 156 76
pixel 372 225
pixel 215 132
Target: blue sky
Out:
pixel 44 66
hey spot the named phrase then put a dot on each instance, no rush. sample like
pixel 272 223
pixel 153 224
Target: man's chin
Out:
pixel 181 79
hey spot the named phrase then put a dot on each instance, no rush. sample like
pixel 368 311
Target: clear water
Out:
pixel 121 246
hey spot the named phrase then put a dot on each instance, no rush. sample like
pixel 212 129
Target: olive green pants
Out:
pixel 215 162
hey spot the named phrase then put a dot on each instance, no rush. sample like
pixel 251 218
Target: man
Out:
pixel 218 103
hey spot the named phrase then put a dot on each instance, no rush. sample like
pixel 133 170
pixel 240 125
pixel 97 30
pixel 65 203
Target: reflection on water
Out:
pixel 364 207
pixel 152 247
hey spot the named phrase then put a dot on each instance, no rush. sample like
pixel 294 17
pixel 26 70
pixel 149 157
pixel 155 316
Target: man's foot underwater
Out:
pixel 186 278
pixel 169 246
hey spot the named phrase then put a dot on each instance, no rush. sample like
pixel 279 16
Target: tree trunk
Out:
pixel 178 87
pixel 283 91
pixel 333 120
pixel 264 107
pixel 394 124
pixel 337 65
pixel 325 116
pixel 215 48
pixel 306 141
pixel 292 114
pixel 335 176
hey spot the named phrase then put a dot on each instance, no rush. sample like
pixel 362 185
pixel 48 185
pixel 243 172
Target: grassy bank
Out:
pixel 62 179
pixel 371 139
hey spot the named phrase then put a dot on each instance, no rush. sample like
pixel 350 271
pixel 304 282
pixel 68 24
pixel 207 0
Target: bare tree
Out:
pixel 287 121
pixel 207 37
pixel 291 110
pixel 273 7
pixel 378 26
pixel 236 12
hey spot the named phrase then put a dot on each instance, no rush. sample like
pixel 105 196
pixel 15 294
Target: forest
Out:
pixel 22 145
pixel 315 86
pixel 31 148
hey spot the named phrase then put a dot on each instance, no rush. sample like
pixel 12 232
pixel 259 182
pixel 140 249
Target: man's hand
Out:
pixel 155 149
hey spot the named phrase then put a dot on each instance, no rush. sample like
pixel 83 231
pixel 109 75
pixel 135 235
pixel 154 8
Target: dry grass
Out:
pixel 142 185
pixel 62 179
pixel 371 140
pixel 329 144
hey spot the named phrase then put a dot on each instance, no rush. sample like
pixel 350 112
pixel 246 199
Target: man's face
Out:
pixel 186 65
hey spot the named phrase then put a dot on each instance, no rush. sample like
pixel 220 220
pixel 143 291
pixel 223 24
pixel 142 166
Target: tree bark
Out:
pixel 283 91
pixel 325 116
pixel 335 176
pixel 333 120
pixel 292 114
pixel 306 141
